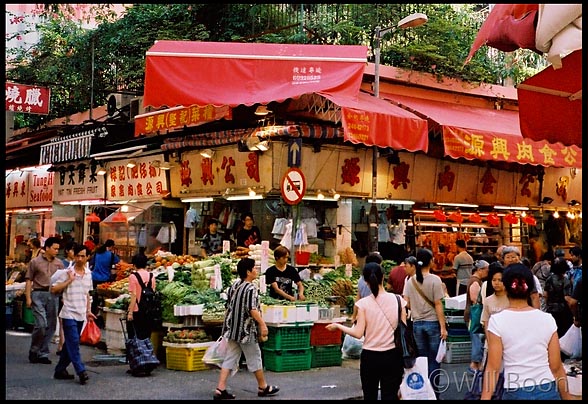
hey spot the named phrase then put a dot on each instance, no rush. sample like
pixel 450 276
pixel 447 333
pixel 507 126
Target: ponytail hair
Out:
pixel 373 275
pixel 518 281
pixel 424 257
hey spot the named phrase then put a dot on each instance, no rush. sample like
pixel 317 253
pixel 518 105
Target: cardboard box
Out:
pixel 456 303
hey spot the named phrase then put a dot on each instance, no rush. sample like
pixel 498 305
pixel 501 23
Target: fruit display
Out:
pixel 187 336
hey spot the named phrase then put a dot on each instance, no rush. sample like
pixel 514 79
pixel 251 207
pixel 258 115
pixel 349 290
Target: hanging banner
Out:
pixel 27 99
pixel 141 182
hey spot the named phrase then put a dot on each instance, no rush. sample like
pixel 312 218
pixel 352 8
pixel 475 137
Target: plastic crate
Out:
pixel 186 359
pixel 458 338
pixel 458 352
pixel 288 337
pixel 319 335
pixel 286 360
pixel 326 355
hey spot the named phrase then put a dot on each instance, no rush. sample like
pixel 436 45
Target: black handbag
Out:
pixel 404 339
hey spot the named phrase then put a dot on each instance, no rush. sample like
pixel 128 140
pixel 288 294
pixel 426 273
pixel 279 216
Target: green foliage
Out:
pixel 67 54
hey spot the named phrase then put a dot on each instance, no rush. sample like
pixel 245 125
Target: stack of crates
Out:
pixel 325 346
pixel 459 345
pixel 287 348
pixel 457 329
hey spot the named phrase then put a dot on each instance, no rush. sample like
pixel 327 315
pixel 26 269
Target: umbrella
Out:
pixel 550 103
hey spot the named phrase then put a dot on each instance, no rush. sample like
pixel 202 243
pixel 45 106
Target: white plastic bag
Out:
pixel 571 343
pixel 352 347
pixel 441 351
pixel 415 382
pixel 215 354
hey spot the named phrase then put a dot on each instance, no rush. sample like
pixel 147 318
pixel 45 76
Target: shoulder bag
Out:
pixel 418 289
pixel 403 337
pixel 475 325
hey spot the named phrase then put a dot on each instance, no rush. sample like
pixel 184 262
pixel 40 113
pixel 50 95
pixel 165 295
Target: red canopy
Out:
pixel 488 134
pixel 225 73
pixel 550 103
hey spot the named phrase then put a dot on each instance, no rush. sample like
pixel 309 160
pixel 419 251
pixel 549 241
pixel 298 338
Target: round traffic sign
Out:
pixel 293 186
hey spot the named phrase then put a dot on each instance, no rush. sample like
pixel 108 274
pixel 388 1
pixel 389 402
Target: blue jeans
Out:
pixel 477 347
pixel 44 307
pixel 427 335
pixel 546 391
pixel 70 353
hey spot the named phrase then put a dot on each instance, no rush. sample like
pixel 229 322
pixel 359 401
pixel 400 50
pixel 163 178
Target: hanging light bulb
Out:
pixel 570 215
pixel 252 192
pixel 556 214
pixel 320 195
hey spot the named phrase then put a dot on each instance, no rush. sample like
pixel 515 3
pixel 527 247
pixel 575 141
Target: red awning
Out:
pixel 488 134
pixel 226 73
pixel 550 103
pixel 374 122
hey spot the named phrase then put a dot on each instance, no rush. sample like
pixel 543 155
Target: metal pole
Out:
pixel 92 82
pixel 373 214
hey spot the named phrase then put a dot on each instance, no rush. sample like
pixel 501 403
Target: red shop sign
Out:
pixel 27 99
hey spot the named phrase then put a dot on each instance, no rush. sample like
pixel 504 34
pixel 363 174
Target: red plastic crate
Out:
pixel 319 335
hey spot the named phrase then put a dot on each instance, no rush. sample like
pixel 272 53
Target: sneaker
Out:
pixel 44 360
pixel 471 371
pixel 64 375
pixel 33 357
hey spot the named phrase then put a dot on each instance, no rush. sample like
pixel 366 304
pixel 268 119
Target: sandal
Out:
pixel 223 395
pixel 268 391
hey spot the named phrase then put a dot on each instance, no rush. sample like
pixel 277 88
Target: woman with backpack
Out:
pixel 137 320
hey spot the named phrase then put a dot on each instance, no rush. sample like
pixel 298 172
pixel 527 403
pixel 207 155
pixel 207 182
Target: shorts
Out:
pixel 251 351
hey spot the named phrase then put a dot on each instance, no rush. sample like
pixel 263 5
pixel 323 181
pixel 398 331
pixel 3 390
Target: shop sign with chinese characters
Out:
pixel 76 182
pixel 29 189
pixel 143 181
pixel 17 189
pixel 196 174
pixel 178 117
pixel 27 99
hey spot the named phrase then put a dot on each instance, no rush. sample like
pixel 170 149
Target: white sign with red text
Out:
pixel 143 181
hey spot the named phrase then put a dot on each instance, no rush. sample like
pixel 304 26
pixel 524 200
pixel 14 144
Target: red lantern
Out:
pixel 493 219
pixel 456 217
pixel 92 218
pixel 511 218
pixel 440 215
pixel 530 220
pixel 475 218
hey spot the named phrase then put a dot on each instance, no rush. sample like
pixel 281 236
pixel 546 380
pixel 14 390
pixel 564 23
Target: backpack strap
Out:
pixel 141 283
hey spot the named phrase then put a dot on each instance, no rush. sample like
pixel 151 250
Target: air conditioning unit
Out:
pixel 116 101
pixel 137 108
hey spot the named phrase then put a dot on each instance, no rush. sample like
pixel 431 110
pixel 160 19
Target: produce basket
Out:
pixel 326 355
pixel 319 335
pixel 186 357
pixel 293 337
pixel 289 360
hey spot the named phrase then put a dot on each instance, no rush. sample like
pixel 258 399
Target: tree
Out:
pixel 68 53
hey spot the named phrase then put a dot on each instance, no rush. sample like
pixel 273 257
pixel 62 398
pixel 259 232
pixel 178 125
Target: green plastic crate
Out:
pixel 286 360
pixel 326 355
pixel 288 337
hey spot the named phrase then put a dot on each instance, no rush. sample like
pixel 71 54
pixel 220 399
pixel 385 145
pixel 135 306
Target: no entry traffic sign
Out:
pixel 293 186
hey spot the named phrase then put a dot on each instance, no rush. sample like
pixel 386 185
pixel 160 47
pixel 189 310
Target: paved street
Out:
pixel 109 381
